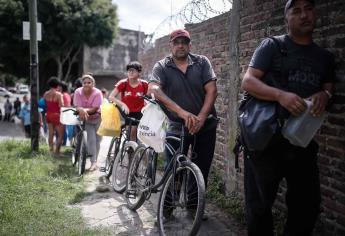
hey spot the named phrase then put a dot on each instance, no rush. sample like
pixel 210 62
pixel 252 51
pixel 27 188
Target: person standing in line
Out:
pixel 310 74
pixel 88 100
pixel 77 84
pixel 16 105
pixel 24 115
pixel 54 101
pixel 105 95
pixel 186 84
pixel 8 110
pixel 131 89
pixel 63 88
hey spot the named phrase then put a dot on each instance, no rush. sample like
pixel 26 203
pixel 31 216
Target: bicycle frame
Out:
pixel 172 165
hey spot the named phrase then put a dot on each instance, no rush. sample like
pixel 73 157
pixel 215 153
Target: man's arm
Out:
pixel 190 120
pixel 253 85
pixel 210 99
pixel 320 99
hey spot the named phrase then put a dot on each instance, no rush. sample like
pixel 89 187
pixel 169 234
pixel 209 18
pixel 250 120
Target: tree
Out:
pixel 67 25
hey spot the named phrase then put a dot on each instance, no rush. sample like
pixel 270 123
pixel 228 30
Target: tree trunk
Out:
pixel 71 60
pixel 59 67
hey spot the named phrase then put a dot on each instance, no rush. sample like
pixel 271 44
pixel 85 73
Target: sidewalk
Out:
pixel 10 130
pixel 109 209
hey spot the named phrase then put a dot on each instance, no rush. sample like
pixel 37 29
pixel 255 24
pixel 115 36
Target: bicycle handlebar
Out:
pixel 124 115
pixel 75 112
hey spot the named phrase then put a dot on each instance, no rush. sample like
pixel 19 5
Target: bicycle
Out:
pixel 182 186
pixel 79 141
pixel 119 154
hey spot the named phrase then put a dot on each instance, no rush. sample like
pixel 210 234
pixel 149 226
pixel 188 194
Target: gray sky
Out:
pixel 146 14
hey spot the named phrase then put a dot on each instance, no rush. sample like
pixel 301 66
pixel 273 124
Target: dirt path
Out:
pixel 109 209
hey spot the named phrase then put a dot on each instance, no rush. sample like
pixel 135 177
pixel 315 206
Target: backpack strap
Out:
pixel 279 41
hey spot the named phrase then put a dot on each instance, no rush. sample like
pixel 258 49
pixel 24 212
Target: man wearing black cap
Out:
pixel 186 84
pixel 308 72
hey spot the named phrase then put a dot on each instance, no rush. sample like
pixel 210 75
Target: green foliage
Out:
pixel 232 204
pixel 12 47
pixel 67 25
pixel 35 190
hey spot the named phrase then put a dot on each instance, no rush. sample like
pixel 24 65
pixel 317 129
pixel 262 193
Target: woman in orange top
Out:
pixel 54 102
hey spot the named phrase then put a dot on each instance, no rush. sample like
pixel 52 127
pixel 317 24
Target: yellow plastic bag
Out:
pixel 111 121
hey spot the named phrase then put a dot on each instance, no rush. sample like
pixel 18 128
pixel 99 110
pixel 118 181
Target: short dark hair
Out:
pixel 135 65
pixel 64 86
pixel 53 82
pixel 78 83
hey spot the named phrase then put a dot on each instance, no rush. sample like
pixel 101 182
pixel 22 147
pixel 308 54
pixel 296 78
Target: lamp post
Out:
pixel 34 89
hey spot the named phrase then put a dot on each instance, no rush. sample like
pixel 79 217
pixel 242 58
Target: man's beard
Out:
pixel 181 55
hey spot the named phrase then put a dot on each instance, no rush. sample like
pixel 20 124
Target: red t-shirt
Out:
pixel 132 96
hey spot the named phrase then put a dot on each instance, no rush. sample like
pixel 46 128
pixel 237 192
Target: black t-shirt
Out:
pixel 187 90
pixel 308 67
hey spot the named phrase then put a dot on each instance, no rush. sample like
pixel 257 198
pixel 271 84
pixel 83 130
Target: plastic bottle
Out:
pixel 300 130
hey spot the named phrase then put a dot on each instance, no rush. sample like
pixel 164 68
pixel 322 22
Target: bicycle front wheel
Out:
pixel 112 152
pixel 139 177
pixel 76 147
pixel 82 154
pixel 121 166
pixel 182 201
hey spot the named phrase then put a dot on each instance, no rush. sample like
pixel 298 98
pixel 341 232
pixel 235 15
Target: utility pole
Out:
pixel 34 89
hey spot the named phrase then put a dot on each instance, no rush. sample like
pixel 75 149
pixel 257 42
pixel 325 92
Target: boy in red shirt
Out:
pixel 131 89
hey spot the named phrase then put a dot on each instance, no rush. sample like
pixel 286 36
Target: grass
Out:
pixel 232 204
pixel 36 191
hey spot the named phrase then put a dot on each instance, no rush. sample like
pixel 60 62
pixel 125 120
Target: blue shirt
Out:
pixel 24 114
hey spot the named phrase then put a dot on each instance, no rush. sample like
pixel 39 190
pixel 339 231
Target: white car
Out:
pixel 4 92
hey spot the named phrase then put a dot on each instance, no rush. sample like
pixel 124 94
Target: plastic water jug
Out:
pixel 300 130
pixel 67 116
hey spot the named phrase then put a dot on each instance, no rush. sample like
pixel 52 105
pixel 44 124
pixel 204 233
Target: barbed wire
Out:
pixel 194 11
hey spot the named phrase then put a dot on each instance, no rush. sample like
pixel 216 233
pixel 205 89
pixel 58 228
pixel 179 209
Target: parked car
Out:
pixel 23 88
pixel 12 89
pixel 5 93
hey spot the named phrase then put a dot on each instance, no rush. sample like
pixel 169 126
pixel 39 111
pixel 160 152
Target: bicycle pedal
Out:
pixel 102 169
pixel 131 194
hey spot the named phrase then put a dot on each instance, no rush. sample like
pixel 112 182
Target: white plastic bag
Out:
pixel 152 127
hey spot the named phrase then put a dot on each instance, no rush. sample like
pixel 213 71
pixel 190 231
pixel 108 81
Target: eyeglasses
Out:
pixel 132 70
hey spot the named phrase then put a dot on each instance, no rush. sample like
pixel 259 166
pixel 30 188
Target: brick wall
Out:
pixel 229 41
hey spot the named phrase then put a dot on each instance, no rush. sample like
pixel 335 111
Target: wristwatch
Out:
pixel 329 94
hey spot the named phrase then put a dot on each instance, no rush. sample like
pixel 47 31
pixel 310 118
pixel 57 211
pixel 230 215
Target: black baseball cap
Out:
pixel 290 4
